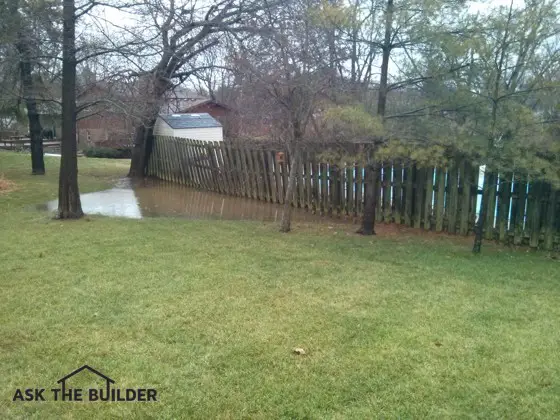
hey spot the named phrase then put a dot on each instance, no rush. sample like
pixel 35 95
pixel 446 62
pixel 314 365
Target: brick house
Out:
pixel 201 105
pixel 103 124
pixel 105 128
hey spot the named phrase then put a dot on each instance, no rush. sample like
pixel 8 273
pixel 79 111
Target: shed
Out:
pixel 189 126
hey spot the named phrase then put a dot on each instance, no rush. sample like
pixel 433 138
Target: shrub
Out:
pixel 107 152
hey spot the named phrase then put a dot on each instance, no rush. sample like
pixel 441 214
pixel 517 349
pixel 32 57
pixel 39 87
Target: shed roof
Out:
pixel 180 121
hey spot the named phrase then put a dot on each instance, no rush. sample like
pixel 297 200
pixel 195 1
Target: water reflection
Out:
pixel 119 201
pixel 154 198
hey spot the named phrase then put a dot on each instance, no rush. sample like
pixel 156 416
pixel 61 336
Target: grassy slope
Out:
pixel 208 312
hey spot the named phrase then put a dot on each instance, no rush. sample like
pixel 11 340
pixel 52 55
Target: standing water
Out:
pixel 154 198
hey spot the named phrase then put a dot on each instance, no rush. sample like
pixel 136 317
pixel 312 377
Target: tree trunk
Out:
pixel 354 58
pixel 479 229
pixel 368 219
pixel 487 174
pixel 138 150
pixel 35 130
pixel 149 146
pixel 69 205
pixel 143 137
pixel 142 150
pixel 285 224
pixel 382 98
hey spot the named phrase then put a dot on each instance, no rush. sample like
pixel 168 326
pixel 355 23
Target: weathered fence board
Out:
pixel 453 198
pixel 428 199
pixel 408 176
pixel 439 198
pixel 419 189
pixel 387 192
pixel 397 192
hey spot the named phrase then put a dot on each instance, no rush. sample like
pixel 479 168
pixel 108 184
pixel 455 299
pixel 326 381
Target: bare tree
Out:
pixel 288 63
pixel 171 38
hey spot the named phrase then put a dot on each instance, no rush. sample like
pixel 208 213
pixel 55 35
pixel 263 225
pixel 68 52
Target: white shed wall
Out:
pixel 161 128
pixel 205 134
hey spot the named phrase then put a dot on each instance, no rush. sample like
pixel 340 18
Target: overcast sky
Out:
pixel 108 16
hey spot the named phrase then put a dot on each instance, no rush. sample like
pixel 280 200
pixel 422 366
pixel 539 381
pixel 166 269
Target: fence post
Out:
pixel 551 215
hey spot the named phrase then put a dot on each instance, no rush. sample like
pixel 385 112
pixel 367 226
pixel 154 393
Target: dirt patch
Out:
pixel 385 230
pixel 6 185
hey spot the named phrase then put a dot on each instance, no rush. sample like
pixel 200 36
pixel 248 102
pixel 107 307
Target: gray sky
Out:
pixel 109 16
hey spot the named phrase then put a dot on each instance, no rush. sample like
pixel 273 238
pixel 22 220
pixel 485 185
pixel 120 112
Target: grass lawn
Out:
pixel 395 326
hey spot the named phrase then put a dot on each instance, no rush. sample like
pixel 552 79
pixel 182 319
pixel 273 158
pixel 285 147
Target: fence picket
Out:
pixel 466 192
pixel 315 206
pixel 398 211
pixel 453 198
pixel 308 182
pixel 278 176
pixel 419 196
pixel 534 213
pixel 473 182
pixel 324 189
pixel 491 208
pixel 520 193
pixel 387 188
pixel 378 193
pixel 408 194
pixel 428 199
pixel 264 173
pixel 504 205
pixel 284 170
pixel 300 186
pixel 359 185
pixel 440 198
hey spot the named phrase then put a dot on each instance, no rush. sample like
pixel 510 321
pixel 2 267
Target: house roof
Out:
pixel 191 103
pixel 181 121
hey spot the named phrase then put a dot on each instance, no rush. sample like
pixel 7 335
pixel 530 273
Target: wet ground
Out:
pixel 154 198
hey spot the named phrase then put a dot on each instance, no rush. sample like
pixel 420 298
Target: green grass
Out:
pixel 208 313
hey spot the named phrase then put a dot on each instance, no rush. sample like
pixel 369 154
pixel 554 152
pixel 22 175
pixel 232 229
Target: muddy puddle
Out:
pixel 155 198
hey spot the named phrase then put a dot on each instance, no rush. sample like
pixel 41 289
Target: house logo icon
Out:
pixel 107 393
pixel 62 381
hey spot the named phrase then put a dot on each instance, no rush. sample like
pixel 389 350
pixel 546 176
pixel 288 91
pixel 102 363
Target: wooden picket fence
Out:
pixel 519 212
